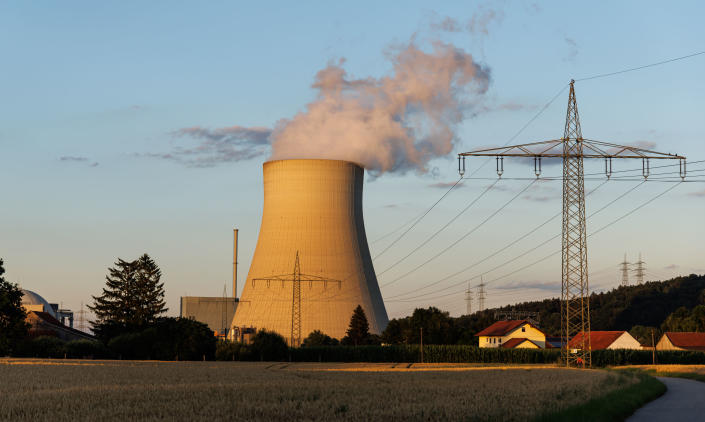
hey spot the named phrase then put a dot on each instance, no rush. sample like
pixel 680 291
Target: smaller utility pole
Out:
pixel 421 344
pixel 653 348
pixel 624 266
pixel 639 270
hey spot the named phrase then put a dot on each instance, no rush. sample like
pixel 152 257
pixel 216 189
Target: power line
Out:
pixel 604 75
pixel 428 239
pixel 462 237
pixel 523 254
pixel 417 221
pixel 545 257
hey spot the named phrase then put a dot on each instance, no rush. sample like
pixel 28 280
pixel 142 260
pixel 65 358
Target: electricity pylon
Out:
pixel 572 148
pixel 296 278
pixel 468 300
pixel 624 267
pixel 639 270
pixel 481 296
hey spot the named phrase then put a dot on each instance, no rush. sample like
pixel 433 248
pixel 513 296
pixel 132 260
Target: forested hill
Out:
pixel 622 308
pixel 671 305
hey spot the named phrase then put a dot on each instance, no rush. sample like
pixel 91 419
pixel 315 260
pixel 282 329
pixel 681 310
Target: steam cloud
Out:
pixel 394 123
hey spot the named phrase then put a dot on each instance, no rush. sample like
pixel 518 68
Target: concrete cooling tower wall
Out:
pixel 313 207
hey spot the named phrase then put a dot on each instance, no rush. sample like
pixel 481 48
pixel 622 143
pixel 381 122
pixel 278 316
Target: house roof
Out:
pixel 514 342
pixel 49 319
pixel 501 328
pixel 687 340
pixel 598 339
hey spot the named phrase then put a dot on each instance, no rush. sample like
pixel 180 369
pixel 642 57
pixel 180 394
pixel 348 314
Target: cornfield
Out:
pixel 67 390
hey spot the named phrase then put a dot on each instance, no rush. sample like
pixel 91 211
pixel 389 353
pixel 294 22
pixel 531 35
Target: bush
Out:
pixel 268 345
pixel 167 339
pixel 41 347
pixel 86 349
pixel 319 338
pixel 228 350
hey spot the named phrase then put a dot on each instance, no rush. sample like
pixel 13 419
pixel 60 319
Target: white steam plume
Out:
pixel 393 123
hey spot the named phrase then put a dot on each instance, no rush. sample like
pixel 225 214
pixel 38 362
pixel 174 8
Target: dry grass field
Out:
pixel 32 390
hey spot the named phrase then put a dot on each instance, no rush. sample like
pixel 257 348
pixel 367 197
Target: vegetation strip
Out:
pixel 613 406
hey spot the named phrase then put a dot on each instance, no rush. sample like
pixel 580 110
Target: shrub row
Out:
pixel 52 347
pixel 644 357
pixel 431 354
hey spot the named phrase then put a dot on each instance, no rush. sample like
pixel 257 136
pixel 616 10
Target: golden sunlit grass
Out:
pixel 696 372
pixel 112 390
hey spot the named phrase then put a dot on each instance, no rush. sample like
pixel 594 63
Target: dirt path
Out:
pixel 684 401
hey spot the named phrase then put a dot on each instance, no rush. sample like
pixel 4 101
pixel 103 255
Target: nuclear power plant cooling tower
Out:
pixel 313 211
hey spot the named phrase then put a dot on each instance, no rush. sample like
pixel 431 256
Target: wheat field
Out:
pixel 66 390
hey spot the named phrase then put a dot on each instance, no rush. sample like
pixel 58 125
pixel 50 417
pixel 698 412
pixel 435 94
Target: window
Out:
pixel 500 340
pixel 523 329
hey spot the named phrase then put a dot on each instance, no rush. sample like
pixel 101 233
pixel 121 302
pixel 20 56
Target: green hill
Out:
pixel 622 308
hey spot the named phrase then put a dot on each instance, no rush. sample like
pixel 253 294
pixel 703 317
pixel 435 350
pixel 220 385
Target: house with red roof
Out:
pixel 611 340
pixel 513 334
pixel 681 341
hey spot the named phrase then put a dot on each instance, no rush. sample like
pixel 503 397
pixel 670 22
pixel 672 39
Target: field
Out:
pixel 66 390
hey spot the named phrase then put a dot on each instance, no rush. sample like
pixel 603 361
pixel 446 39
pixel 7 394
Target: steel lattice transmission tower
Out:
pixel 296 278
pixel 572 148
pixel 481 296
pixel 624 268
pixel 640 270
pixel 468 300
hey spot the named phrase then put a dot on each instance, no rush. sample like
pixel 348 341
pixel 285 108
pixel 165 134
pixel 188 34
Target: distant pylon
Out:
pixel 468 300
pixel 481 296
pixel 81 319
pixel 624 267
pixel 639 270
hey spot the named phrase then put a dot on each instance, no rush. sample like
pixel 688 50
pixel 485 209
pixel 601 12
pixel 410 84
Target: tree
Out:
pixel 132 299
pixel 13 325
pixel 319 338
pixel 269 345
pixel 359 330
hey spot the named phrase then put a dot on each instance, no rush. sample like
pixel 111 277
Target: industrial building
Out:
pixel 216 312
pixel 312 264
pixel 47 319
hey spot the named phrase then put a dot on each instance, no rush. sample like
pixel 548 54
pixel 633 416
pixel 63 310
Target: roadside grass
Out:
pixel 692 372
pixel 616 405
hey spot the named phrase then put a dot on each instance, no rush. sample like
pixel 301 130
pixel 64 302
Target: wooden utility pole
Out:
pixel 421 344
pixel 653 348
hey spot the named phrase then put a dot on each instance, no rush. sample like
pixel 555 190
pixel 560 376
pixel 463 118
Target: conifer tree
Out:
pixel 133 297
pixel 13 326
pixel 359 330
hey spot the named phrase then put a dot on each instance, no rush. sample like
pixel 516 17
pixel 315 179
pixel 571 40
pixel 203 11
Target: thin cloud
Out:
pixel 444 185
pixel 216 146
pixel 671 267
pixel 697 194
pixel 73 158
pixel 572 49
pixel 77 159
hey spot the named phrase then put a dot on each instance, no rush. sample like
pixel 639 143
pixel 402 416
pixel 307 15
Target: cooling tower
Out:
pixel 313 208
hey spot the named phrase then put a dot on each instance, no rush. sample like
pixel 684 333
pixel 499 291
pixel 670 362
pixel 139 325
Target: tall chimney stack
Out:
pixel 235 262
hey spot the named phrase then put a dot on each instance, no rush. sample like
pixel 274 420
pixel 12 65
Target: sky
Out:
pixel 100 102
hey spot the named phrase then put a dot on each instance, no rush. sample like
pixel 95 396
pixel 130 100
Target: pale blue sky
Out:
pixel 106 84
